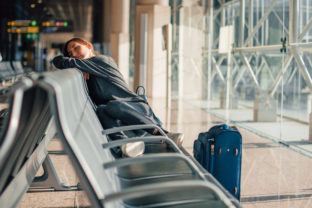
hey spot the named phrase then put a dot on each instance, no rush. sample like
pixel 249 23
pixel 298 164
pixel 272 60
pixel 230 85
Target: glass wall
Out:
pixel 267 67
pixel 249 62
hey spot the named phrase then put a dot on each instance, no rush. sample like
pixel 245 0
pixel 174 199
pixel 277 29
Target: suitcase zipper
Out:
pixel 236 152
pixel 211 146
pixel 235 190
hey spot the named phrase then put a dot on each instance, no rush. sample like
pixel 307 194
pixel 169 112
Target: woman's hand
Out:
pixel 86 75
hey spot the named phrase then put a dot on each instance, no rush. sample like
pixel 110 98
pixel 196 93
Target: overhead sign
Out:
pixel 32 36
pixel 32 26
pixel 22 26
pixel 53 26
pixel 54 23
pixel 23 29
pixel 22 23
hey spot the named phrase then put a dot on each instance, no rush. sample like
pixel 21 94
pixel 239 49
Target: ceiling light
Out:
pixel 32 5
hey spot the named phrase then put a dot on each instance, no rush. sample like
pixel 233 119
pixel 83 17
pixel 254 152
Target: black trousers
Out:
pixel 122 113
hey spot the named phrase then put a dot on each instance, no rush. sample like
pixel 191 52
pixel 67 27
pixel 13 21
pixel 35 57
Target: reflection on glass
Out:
pixel 271 85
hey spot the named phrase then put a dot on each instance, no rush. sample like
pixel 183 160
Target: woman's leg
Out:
pixel 130 149
pixel 108 122
pixel 132 113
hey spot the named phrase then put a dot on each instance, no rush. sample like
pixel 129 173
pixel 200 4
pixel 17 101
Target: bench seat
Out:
pixel 6 71
pixel 25 135
pixel 164 178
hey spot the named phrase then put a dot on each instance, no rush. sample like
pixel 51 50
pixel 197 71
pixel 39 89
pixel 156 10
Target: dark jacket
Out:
pixel 106 83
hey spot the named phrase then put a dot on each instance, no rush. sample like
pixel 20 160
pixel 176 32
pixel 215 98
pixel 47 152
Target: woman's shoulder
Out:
pixel 106 59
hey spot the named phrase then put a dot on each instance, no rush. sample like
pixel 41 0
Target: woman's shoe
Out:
pixel 133 149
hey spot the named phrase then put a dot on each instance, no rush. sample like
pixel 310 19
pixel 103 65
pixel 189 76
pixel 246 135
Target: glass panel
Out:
pixel 270 86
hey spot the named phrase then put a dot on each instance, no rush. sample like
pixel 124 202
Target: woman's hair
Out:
pixel 79 40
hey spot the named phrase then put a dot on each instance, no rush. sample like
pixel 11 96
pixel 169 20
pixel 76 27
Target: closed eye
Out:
pixel 76 47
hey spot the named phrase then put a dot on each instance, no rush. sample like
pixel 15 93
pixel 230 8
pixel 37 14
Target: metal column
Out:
pixel 241 23
pixel 210 40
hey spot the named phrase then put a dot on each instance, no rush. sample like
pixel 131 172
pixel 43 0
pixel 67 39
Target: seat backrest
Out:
pixel 18 68
pixel 24 128
pixel 80 130
pixel 6 70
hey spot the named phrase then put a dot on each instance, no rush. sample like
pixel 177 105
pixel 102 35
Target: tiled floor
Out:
pixel 273 175
pixel 67 175
pixel 275 167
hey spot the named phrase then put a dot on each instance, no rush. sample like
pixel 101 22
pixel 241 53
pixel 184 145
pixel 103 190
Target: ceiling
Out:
pixel 77 12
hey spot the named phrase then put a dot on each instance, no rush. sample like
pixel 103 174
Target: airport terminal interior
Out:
pixel 245 63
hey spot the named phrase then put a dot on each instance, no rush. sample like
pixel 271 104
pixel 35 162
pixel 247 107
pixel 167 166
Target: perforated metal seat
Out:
pixel 24 138
pixel 123 182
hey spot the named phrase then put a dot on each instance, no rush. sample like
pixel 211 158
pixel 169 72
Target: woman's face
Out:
pixel 78 50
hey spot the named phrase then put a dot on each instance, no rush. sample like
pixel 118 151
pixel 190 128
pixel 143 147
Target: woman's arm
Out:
pixel 58 62
pixel 62 62
pixel 85 65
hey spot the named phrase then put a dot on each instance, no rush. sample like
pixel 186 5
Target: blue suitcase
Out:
pixel 219 151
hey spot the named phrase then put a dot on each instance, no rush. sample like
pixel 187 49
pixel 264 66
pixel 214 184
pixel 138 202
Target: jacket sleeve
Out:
pixel 58 62
pixel 84 65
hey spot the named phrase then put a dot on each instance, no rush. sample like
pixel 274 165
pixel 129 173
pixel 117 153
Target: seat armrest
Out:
pixel 133 127
pixel 166 187
pixel 120 142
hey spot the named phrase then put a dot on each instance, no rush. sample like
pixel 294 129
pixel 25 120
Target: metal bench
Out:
pixel 6 71
pixel 27 130
pixel 8 75
pixel 18 68
pixel 162 177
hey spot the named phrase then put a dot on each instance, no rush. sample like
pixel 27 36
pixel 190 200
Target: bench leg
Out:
pixel 49 179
